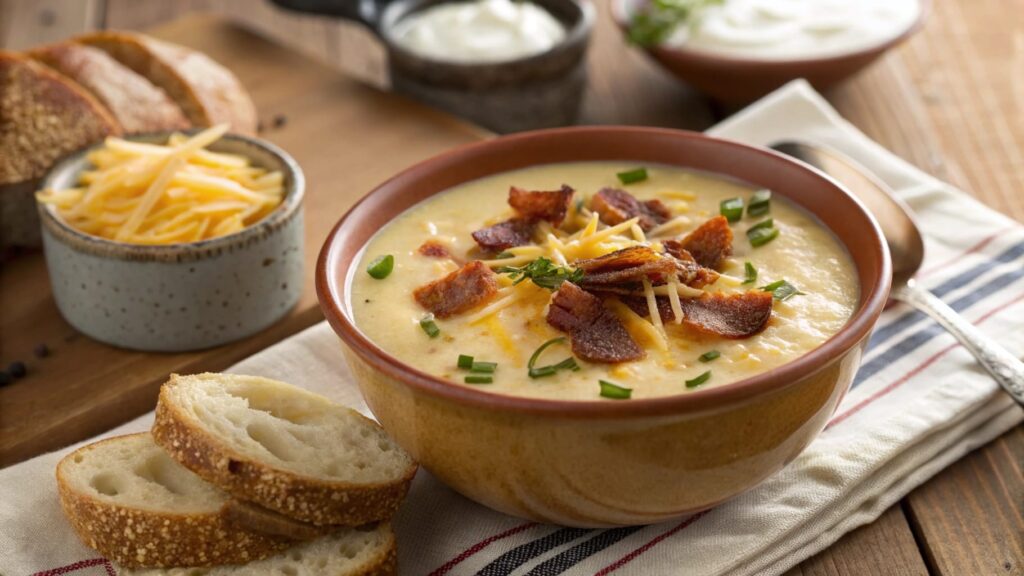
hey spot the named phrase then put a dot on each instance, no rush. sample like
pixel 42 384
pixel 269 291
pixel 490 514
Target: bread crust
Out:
pixel 300 497
pixel 207 92
pixel 143 538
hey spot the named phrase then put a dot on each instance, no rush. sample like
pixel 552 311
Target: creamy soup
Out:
pixel 773 302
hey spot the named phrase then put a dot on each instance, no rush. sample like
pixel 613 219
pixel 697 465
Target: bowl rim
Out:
pixel 294 193
pixel 856 329
pixel 710 57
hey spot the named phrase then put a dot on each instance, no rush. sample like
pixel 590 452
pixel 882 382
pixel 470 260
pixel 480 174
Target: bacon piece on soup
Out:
pixel 690 272
pixel 596 333
pixel 466 288
pixel 709 244
pixel 631 264
pixel 615 206
pixel 730 316
pixel 505 235
pixel 541 205
pixel 434 249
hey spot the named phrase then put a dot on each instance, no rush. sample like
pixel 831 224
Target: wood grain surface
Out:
pixel 950 101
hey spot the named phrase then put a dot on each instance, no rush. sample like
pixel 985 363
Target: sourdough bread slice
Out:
pixel 366 551
pixel 138 507
pixel 283 448
pixel 207 92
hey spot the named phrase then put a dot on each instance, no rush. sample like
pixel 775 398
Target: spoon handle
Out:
pixel 1003 366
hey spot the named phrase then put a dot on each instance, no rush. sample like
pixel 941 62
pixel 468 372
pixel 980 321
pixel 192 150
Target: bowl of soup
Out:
pixel 603 326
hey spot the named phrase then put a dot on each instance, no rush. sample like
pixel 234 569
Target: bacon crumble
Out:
pixel 468 287
pixel 709 244
pixel 504 235
pixel 434 249
pixel 597 335
pixel 731 316
pixel 541 205
pixel 615 206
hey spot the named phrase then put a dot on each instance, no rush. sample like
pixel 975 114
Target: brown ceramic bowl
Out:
pixel 739 80
pixel 605 463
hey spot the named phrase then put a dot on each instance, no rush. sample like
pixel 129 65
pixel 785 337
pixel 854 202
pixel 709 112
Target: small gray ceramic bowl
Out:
pixel 177 297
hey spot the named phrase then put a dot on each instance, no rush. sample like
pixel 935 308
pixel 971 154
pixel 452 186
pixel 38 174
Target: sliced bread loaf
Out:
pixel 366 551
pixel 138 105
pixel 283 448
pixel 207 92
pixel 130 501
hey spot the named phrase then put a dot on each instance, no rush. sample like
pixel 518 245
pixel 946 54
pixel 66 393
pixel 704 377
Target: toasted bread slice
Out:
pixel 135 102
pixel 366 551
pixel 283 448
pixel 138 507
pixel 207 92
pixel 43 116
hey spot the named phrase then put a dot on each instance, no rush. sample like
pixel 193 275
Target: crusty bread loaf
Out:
pixel 283 448
pixel 367 551
pixel 138 507
pixel 44 116
pixel 207 92
pixel 135 102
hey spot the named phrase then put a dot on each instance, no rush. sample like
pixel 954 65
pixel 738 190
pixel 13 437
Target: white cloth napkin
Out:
pixel 919 403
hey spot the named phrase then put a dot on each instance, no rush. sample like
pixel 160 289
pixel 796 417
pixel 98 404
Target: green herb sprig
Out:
pixel 654 23
pixel 781 290
pixel 543 273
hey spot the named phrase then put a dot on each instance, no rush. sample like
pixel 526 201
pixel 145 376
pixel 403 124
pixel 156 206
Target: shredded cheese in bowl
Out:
pixel 141 193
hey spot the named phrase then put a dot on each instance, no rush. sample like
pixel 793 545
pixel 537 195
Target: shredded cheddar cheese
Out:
pixel 143 193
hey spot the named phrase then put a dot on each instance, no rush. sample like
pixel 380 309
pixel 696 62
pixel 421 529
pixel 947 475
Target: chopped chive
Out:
pixel 479 380
pixel 504 255
pixel 763 224
pixel 732 209
pixel 465 362
pixel 781 290
pixel 579 205
pixel 631 176
pixel 699 380
pixel 542 371
pixel 381 266
pixel 761 236
pixel 614 391
pixel 749 273
pixel 760 203
pixel 429 326
pixel 484 367
pixel 709 356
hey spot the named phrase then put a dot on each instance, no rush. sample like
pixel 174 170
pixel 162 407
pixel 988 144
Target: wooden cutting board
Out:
pixel 346 137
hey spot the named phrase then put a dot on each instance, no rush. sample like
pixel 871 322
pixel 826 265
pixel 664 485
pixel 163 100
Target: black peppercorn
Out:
pixel 17 369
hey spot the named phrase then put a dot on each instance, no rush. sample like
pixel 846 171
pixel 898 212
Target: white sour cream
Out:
pixel 479 31
pixel 781 29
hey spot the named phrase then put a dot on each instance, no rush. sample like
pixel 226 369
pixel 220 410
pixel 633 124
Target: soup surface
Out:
pixel 725 324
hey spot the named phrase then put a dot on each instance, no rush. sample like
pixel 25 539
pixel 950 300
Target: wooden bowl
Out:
pixel 602 463
pixel 740 80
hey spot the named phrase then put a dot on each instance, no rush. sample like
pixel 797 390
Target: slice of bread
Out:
pixel 366 551
pixel 43 116
pixel 135 102
pixel 207 92
pixel 283 448
pixel 138 507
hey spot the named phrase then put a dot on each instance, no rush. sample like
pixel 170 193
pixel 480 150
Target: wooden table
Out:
pixel 948 101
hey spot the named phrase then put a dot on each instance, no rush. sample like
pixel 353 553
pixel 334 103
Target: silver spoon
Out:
pixel 907 249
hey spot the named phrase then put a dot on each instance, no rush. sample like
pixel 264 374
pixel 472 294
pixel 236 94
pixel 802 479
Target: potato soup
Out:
pixel 599 280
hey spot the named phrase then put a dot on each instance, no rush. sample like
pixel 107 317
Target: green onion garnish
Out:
pixel 761 236
pixel 381 266
pixel 781 290
pixel 699 380
pixel 465 362
pixel 749 273
pixel 429 326
pixel 535 372
pixel 484 367
pixel 763 224
pixel 543 273
pixel 732 209
pixel 760 203
pixel 614 391
pixel 631 176
pixel 479 380
pixel 709 355
pixel 504 255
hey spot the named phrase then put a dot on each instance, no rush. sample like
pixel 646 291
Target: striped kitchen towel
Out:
pixel 919 402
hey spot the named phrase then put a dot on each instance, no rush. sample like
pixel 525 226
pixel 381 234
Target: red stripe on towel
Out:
pixel 650 544
pixel 79 566
pixel 478 547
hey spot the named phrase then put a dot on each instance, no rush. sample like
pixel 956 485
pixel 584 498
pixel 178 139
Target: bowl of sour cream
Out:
pixel 739 50
pixel 507 65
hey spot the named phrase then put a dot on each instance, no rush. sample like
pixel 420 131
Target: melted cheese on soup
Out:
pixel 509 328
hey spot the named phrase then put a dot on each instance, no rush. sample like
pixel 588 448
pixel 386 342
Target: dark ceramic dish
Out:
pixel 741 80
pixel 553 461
pixel 538 91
